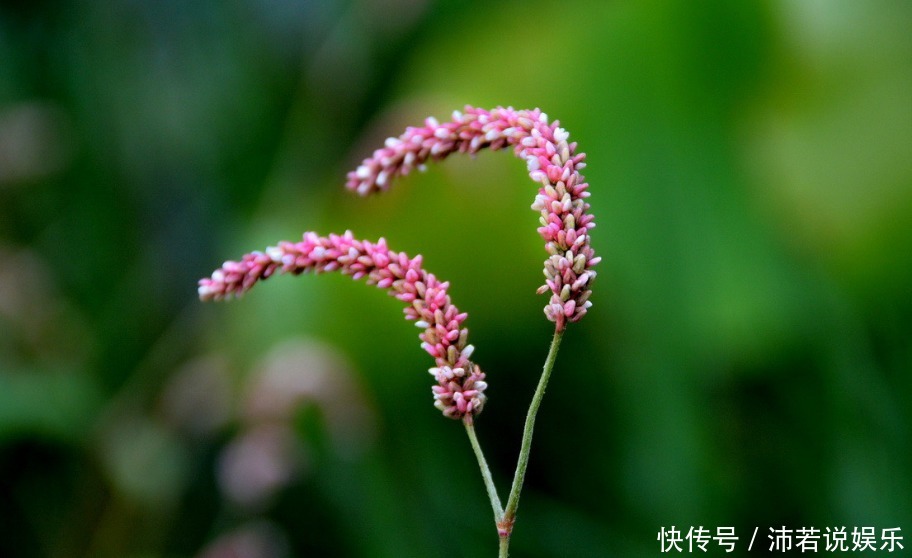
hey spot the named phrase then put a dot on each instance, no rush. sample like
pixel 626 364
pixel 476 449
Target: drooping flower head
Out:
pixel 552 162
pixel 460 382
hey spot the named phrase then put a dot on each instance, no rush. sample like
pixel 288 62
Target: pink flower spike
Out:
pixel 460 391
pixel 551 161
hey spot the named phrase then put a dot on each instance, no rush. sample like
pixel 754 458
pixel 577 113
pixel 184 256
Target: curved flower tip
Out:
pixel 551 161
pixel 460 382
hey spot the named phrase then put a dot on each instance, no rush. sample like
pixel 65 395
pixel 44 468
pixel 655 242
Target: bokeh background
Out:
pixel 746 363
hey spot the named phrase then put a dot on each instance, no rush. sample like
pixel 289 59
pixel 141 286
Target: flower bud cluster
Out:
pixel 460 382
pixel 552 162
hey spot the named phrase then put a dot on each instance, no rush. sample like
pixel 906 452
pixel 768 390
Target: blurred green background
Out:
pixel 746 362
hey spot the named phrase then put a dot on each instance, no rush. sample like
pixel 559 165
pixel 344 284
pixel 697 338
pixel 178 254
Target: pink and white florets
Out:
pixel 551 161
pixel 460 389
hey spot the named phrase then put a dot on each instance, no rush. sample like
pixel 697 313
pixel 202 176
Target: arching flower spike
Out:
pixel 552 162
pixel 460 382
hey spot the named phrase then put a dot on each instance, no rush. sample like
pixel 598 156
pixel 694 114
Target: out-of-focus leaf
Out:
pixel 58 405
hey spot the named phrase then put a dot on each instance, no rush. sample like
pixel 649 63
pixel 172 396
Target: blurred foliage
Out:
pixel 747 361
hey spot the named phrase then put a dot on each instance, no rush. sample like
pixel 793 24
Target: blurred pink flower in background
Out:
pixel 300 372
pixel 260 539
pixel 259 462
pixel 267 454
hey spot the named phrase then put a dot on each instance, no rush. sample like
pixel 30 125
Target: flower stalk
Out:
pixel 509 517
pixel 485 471
pixel 505 518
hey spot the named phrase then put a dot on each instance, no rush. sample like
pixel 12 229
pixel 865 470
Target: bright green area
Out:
pixel 747 361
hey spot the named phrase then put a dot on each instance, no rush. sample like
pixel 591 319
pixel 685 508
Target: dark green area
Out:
pixel 747 361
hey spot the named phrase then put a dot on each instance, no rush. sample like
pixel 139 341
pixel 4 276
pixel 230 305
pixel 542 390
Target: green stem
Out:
pixel 504 550
pixel 504 518
pixel 509 516
pixel 485 472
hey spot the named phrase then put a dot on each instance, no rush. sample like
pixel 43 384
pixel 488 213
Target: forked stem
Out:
pixel 505 518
